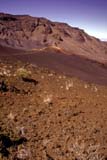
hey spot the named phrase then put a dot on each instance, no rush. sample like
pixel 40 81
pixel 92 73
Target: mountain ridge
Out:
pixel 27 32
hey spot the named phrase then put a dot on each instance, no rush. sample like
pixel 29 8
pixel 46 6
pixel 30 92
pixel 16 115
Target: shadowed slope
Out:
pixel 71 65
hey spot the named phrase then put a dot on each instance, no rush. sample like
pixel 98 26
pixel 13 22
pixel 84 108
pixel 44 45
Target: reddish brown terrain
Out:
pixel 48 116
pixel 53 91
pixel 30 33
pixel 71 65
pixel 54 45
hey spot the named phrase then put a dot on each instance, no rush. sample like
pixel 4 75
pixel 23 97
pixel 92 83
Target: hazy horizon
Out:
pixel 87 15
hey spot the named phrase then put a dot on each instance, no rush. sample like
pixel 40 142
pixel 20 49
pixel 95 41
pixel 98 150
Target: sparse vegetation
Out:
pixel 46 121
pixel 23 73
pixel 68 85
pixel 82 151
pixel 48 99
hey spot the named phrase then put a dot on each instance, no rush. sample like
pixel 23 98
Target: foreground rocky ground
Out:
pixel 48 116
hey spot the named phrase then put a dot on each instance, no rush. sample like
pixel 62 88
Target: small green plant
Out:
pixel 23 73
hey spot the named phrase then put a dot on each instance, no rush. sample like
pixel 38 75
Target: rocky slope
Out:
pixel 48 116
pixel 45 114
pixel 30 33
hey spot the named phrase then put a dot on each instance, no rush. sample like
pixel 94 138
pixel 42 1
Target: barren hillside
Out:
pixel 30 33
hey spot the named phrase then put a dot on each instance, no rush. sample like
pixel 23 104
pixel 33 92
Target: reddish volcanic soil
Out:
pixel 53 91
pixel 48 116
